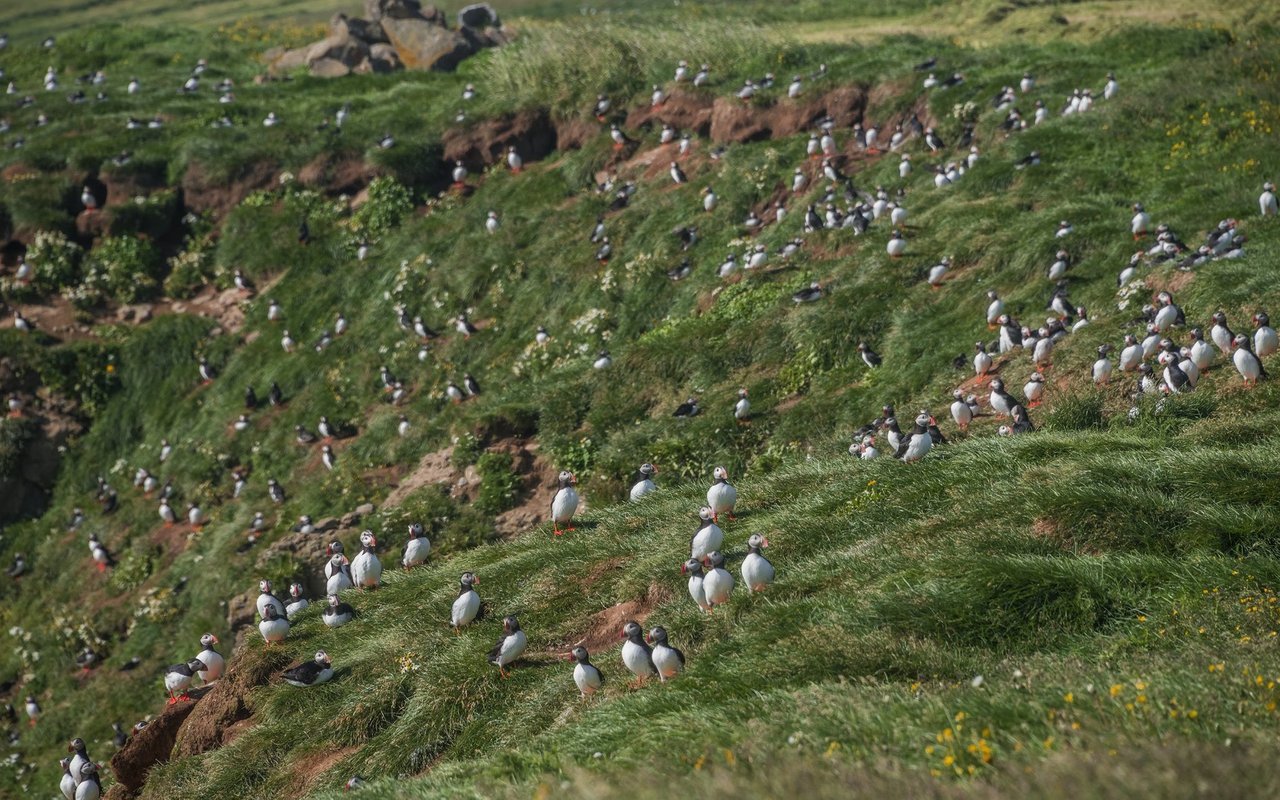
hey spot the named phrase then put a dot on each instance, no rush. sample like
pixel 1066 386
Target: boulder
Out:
pixel 346 50
pixel 342 26
pixel 378 10
pixel 478 15
pixel 424 45
pixel 288 60
pixel 365 509
pixel 384 58
pixel 329 68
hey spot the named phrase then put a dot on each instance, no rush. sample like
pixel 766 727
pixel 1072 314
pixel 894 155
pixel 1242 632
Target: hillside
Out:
pixel 1088 607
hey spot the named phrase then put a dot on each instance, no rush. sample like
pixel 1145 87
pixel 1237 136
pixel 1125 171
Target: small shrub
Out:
pixel 124 268
pixel 15 435
pixel 1076 412
pixel 55 260
pixel 190 270
pixel 389 202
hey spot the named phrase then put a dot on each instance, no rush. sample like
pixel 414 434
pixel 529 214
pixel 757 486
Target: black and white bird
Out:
pixel 644 484
pixel 637 657
pixel 417 547
pixel 667 660
pixel 757 572
pixel 510 646
pixel 311 673
pixel 467 604
pixel 178 677
pixel 869 357
pixel 689 408
pixel 586 676
pixel 564 504
pixel 337 612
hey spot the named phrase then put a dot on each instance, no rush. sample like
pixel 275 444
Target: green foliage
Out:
pixel 499 483
pixel 153 216
pixel 389 202
pixel 56 261
pixel 122 268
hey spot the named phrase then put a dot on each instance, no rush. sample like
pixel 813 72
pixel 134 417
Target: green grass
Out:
pixel 1077 570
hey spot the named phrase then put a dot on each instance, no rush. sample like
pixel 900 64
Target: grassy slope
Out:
pixel 1054 555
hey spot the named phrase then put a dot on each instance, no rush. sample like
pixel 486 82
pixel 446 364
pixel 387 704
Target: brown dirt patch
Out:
pixel 735 121
pixel 603 630
pixel 531 131
pixel 1173 282
pixel 538 486
pixel 221 713
pixel 337 175
pixel 308 769
pixel 202 192
pixel 571 134
pixel 152 745
pixel 434 469
pixel 682 111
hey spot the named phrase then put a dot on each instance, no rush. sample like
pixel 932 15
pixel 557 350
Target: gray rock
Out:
pixel 478 15
pixel 343 26
pixel 288 61
pixel 384 58
pixel 365 509
pixel 329 68
pixel 327 525
pixel 344 49
pixel 423 45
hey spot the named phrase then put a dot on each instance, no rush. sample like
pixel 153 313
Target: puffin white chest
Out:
pixel 587 678
pixel 265 600
pixel 366 569
pixel 1247 365
pixel 722 497
pixel 465 608
pixel 274 630
pixel 338 582
pixel 215 664
pixel 698 592
pixel 961 413
pixel 706 541
pixel 667 661
pixel 642 489
pixel 565 504
pixel 416 551
pixel 512 647
pixel 1165 318
pixel 1044 348
pixel 718 584
pixel 88 790
pixel 1131 357
pixel 1265 341
pixel 68 786
pixel 1201 354
pixel 293 610
pixel 757 572
pixel 920 444
pixel 636 658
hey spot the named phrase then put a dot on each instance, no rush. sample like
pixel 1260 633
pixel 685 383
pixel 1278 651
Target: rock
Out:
pixel 241 609
pixel 384 58
pixel 353 27
pixel 329 68
pixel 365 509
pixel 327 525
pixel 478 15
pixel 423 45
pixel 349 520
pixel 378 10
pixel 92 224
pixel 308 550
pixel 221 714
pixel 347 50
pixel 138 313
pixel 287 61
pixel 152 745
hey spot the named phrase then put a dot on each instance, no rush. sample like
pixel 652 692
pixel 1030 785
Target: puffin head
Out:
pixel 333 548
pixel 648 470
pixel 264 586
pixel 691 567
pixel 567 478
pixel 1241 341
pixel 923 420
pixel 1261 319
pixel 632 631
pixel 580 655
pixel 756 541
pixel 88 769
pixel 367 539
pixel 322 658
pixel 196 665
pixel 720 474
pixel 209 639
pixel 1005 430
pixel 997 385
pixel 658 636
pixel 468 579
pixel 76 745
pixel 705 513
pixel 510 624
pixel 415 529
pixel 269 613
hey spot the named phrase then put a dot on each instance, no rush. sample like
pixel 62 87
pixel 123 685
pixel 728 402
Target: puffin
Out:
pixel 459 174
pixel 312 673
pixel 1201 351
pixel 177 678
pixel 1267 200
pixel 1061 262
pixel 1101 368
pixel 667 660
pixel 102 558
pixel 644 484
pixel 869 357
pixel 1001 401
pixel 981 360
pixel 366 569
pixel 207 372
pixel 90 785
pixel 79 755
pixel 32 709
pixel 214 663
pixel 121 738
pixel 266 598
pixel 273 626
pixel 1222 335
pixel 339 574
pixel 1132 355
pixel 1043 351
pixel 697 589
pixel 915 447
pixel 897 245
pixel 454 393
pixel 514 161
pixel 327 457
pixel 1031 159
pixel 1175 378
pixel 491 223
pixel 297 602
pixel 677 174
pixel 668 134
pixel 337 613
pixel 18 568
pixel 961 411
pixel 586 676
pixel 541 337
pixel 1151 343
pixel 709 199
pixel 995 309
pixel 305 525
pixel 938 272
pixel 510 645
pixel 565 503
pixel 471 385
pixel 467 604
pixel 1140 222
pixel 463 326
pixel 1247 362
pixel 933 140
pixel 636 655
pixel 721 497
pixel 708 537
pixel 1111 87
pixel 688 408
pixel 1168 314
pixel 274 490
pixel 416 548
pixel 1064 229
pixel 1265 340
pixel 742 408
pixel 757 572
pixel 718 581
pixel 166 514
pixel 1021 422
pixel 302 435
pixel 67 785
pixel 904 166
pixel 702 76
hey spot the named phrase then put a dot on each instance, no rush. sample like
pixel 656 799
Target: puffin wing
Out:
pixel 497 649
pixel 679 655
pixel 303 673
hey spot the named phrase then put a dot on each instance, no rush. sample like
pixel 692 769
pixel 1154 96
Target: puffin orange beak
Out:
pixel 475 579
pixel 568 656
pixel 684 569
pixel 623 634
pixel 649 638
pixel 765 543
pixel 373 540
pixel 214 638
